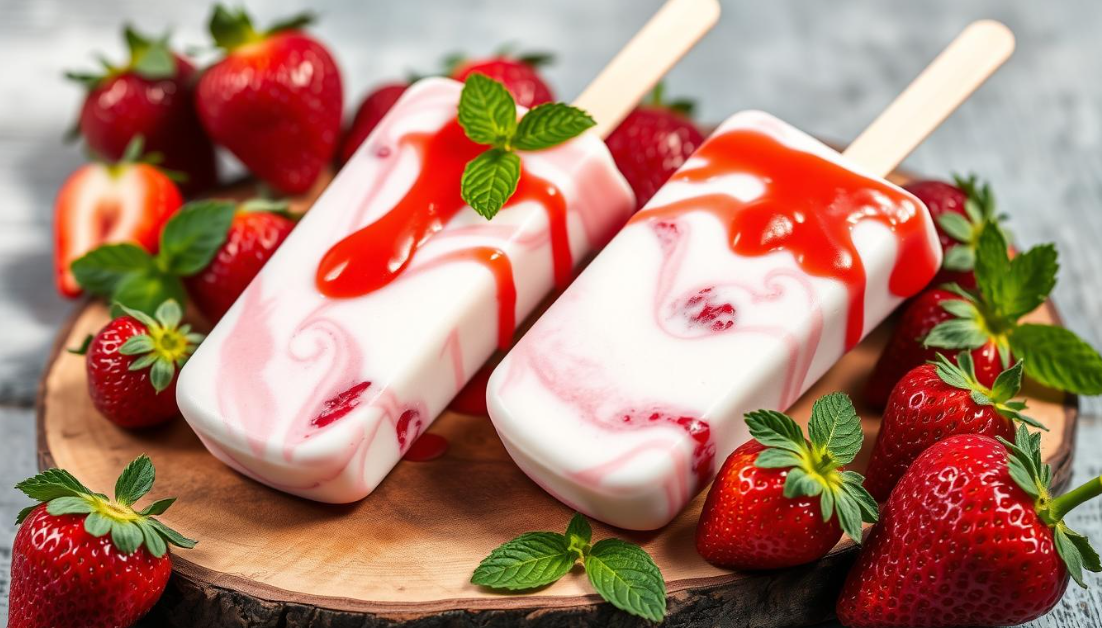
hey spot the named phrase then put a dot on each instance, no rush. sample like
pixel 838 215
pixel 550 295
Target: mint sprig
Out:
pixel 621 572
pixel 488 115
pixel 129 275
pixel 1008 289
pixel 815 466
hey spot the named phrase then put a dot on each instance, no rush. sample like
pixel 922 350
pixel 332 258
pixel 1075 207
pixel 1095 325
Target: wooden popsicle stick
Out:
pixel 946 83
pixel 662 41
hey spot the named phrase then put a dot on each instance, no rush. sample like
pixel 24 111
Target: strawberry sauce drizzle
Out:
pixel 809 208
pixel 378 253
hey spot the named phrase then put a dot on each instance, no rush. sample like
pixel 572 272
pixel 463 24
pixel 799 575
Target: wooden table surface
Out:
pixel 1035 131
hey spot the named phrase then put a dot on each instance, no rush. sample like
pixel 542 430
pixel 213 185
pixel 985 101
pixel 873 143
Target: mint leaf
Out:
pixel 550 124
pixel 51 484
pixel 776 429
pixel 992 262
pixel 579 534
pixel 146 290
pixel 835 425
pixel 135 480
pixel 626 577
pixel 489 180
pixel 487 111
pixel 1057 358
pixel 192 236
pixel 1031 278
pixel 100 270
pixel 531 560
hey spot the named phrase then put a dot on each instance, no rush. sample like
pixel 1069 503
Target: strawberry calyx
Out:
pixel 150 59
pixel 453 63
pixel 979 209
pixel 129 528
pixel 1007 290
pixel 1035 478
pixel 232 29
pixel 815 466
pixel 657 100
pixel 962 375
pixel 165 346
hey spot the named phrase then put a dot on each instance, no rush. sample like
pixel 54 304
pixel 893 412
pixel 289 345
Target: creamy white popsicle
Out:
pixel 761 262
pixel 316 382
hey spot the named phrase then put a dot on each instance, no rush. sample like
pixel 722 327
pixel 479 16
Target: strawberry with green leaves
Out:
pixel 488 115
pixel 129 275
pixel 133 362
pixel 935 401
pixel 971 536
pixel 621 572
pixel 987 323
pixel 960 212
pixel 780 500
pixel 80 560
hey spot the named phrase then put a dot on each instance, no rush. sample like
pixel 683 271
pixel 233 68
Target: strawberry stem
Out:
pixel 1062 505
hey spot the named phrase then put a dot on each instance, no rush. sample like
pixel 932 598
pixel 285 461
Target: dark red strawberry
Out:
pixel 274 101
pixel 766 511
pixel 132 365
pixel 257 230
pixel 151 97
pixel 970 537
pixel 653 142
pixel 371 111
pixel 519 74
pixel 80 560
pixel 960 211
pixel 933 402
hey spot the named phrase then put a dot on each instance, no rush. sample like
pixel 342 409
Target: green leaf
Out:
pixel 960 308
pixel 531 560
pixel 24 513
pixel 192 237
pixel 83 348
pixel 956 226
pixel 1056 357
pixel 800 483
pixel 487 111
pixel 97 525
pixel 957 333
pixel 551 124
pixel 293 23
pixel 626 577
pixel 170 535
pixel 579 529
pixel 69 505
pixel 144 291
pixel 960 375
pixel 143 362
pixel 1026 286
pixel 1091 560
pixel 137 345
pixel 773 458
pixel 853 484
pixel 126 536
pixel 231 29
pixel 153 541
pixel 849 517
pixel 135 480
pixel 155 62
pixel 169 314
pixel 960 258
pixel 102 269
pixel 51 484
pixel 776 429
pixel 489 180
pixel 854 505
pixel 1069 553
pixel 992 262
pixel 161 374
pixel 1007 384
pixel 158 507
pixel 835 425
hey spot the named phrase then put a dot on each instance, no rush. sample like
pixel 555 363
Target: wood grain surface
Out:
pixel 1035 131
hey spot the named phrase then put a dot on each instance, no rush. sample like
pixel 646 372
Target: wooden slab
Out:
pixel 405 554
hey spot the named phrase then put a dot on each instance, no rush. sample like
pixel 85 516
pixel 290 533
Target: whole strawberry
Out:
pixel 151 97
pixel 960 211
pixel 274 101
pixel 986 322
pixel 971 536
pixel 129 201
pixel 132 364
pixel 652 142
pixel 935 401
pixel 371 111
pixel 780 500
pixel 80 560
pixel 257 230
pixel 519 74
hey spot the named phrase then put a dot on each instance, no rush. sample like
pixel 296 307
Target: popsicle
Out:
pixel 763 260
pixel 392 292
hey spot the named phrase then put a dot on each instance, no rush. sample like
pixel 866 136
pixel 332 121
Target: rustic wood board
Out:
pixel 405 554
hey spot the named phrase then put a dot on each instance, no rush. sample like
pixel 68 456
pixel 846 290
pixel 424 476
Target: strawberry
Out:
pixel 151 97
pixel 274 101
pixel 128 201
pixel 131 276
pixel 971 536
pixel 257 230
pixel 652 142
pixel 371 111
pixel 780 500
pixel 131 365
pixel 80 560
pixel 519 74
pixel 960 211
pixel 935 401
pixel 986 322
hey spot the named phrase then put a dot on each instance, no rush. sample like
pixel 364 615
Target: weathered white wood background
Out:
pixel 1035 130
